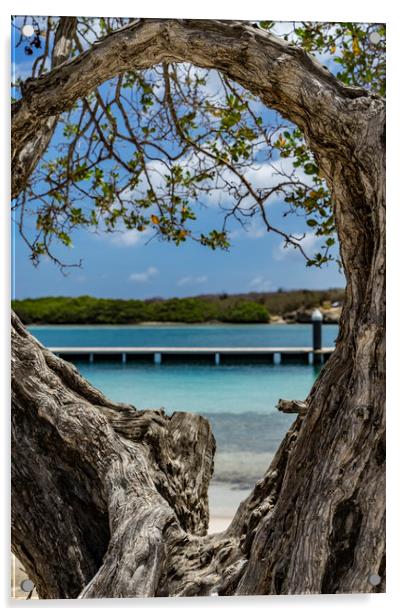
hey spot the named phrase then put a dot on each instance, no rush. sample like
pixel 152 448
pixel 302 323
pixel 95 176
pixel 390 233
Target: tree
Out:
pixel 119 495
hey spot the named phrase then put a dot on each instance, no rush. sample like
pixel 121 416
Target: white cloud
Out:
pixel 260 283
pixel 270 173
pixel 255 231
pixel 187 280
pixel 131 237
pixel 149 273
pixel 284 27
pixel 309 243
pixel 212 89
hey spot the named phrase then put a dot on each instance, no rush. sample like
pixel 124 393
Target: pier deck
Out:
pixel 216 355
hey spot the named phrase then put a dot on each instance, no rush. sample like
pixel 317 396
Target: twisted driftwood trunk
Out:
pixel 108 501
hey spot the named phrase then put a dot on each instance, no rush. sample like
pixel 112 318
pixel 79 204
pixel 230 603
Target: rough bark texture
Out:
pixel 37 141
pixel 119 496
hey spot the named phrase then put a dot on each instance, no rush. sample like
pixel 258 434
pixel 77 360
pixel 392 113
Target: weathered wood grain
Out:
pixel 111 501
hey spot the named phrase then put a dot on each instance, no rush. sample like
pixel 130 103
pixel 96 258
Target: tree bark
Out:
pixel 35 145
pixel 110 501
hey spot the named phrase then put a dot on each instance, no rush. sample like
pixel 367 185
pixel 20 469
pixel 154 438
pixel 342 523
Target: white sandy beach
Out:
pixel 224 499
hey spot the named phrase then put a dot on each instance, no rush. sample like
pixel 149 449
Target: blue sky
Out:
pixel 125 265
pixel 129 264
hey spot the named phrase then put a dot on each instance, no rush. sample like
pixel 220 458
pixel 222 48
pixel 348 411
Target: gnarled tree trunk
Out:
pixel 110 501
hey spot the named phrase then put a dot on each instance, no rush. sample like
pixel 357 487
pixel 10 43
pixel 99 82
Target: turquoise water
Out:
pixel 239 400
pixel 183 335
pixel 201 388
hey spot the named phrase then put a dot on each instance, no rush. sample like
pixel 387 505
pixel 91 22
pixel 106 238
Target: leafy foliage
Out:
pixel 355 53
pixel 85 309
pixel 150 149
pixel 246 312
pixel 246 308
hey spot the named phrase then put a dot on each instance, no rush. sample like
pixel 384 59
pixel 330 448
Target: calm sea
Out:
pixel 239 400
pixel 184 335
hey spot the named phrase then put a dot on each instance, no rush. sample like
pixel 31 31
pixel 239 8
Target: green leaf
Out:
pixel 310 168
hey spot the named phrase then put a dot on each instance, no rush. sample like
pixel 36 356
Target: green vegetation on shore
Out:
pixel 246 308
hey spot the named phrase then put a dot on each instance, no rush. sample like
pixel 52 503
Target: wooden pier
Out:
pixel 207 355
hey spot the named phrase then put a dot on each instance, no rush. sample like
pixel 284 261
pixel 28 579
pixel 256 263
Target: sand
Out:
pixel 224 499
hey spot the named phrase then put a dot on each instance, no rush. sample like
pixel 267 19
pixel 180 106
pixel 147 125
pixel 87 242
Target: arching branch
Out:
pixel 283 76
pixel 315 522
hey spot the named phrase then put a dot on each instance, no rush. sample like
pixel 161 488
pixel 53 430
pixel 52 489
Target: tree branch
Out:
pixel 283 76
pixel 35 143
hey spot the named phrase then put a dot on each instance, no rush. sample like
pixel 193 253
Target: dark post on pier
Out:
pixel 316 319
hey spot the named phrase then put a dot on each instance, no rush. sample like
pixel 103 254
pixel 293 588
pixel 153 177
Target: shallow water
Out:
pixel 182 335
pixel 239 400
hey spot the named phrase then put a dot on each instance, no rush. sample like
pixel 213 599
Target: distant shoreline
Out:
pixel 165 324
pixel 248 308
